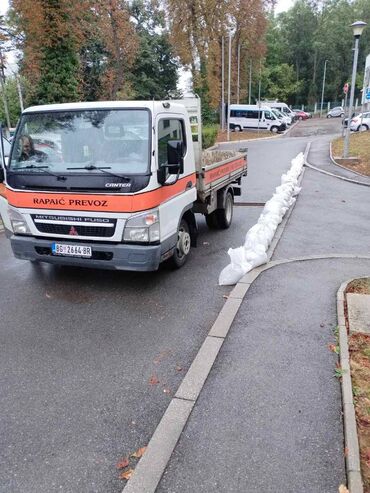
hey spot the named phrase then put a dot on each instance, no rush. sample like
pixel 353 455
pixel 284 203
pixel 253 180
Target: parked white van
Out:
pixel 282 116
pixel 253 116
pixel 283 107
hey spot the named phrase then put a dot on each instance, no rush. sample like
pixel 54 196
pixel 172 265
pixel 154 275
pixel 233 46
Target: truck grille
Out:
pixel 75 226
pixel 65 229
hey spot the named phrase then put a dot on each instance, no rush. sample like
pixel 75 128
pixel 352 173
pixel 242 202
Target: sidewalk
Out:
pixel 269 417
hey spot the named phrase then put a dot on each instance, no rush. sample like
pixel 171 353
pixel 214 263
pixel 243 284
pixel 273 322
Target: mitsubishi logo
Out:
pixel 73 231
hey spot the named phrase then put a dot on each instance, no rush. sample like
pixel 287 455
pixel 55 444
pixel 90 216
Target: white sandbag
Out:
pixel 256 257
pixel 259 237
pixel 233 272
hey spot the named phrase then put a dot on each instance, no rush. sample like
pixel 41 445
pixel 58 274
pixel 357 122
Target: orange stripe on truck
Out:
pixel 99 202
pixel 224 170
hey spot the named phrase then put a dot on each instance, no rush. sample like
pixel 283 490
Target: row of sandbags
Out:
pixel 258 239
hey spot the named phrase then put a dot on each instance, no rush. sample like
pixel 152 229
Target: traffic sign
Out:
pixel 345 88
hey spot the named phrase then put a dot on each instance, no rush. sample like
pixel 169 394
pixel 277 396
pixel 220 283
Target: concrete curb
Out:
pixel 349 417
pixel 262 138
pixel 340 165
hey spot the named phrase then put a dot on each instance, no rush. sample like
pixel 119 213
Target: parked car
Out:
pixel 337 112
pixel 345 121
pixel 360 123
pixel 302 115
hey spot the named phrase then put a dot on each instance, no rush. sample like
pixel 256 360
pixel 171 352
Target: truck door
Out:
pixel 179 191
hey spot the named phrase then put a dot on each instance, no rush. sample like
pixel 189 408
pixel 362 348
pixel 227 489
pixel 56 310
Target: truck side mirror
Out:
pixel 175 157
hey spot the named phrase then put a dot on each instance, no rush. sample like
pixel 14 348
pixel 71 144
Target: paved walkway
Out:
pixel 269 416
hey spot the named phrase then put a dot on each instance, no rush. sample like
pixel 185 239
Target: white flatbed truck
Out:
pixel 114 185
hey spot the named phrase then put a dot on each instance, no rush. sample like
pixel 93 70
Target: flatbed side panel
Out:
pixel 215 173
pixel 218 175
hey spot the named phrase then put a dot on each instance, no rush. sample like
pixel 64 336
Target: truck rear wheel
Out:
pixel 182 250
pixel 222 218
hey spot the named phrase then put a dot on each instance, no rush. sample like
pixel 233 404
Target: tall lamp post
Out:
pixel 358 27
pixel 323 88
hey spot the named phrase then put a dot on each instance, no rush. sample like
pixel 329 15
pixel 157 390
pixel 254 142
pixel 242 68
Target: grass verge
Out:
pixel 359 350
pixel 359 147
pixel 247 135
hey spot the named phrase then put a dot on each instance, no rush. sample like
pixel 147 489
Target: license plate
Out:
pixel 71 250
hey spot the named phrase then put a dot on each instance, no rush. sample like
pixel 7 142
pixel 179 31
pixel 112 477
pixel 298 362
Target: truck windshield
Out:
pixel 89 141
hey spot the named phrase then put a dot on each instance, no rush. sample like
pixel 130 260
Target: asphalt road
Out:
pixel 79 347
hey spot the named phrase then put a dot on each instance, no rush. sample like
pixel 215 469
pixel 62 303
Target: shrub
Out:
pixel 209 135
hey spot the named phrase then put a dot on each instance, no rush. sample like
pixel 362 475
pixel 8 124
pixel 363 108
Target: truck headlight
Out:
pixel 143 228
pixel 18 222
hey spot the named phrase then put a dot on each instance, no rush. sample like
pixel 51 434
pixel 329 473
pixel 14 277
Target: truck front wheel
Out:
pixel 182 250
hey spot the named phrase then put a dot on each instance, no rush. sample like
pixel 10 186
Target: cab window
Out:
pixel 169 129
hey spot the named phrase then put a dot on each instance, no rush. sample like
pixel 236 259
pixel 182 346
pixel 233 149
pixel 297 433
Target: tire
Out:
pixel 342 115
pixel 182 249
pixel 328 116
pixel 274 130
pixel 211 220
pixel 300 118
pixel 237 128
pixel 224 217
pixel 363 128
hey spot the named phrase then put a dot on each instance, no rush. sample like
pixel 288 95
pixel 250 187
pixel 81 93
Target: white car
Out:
pixel 361 122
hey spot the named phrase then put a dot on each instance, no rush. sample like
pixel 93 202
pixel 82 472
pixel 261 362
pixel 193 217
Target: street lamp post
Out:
pixel 323 88
pixel 229 89
pixel 358 27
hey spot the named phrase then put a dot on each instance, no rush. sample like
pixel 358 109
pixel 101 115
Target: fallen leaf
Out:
pixel 205 243
pixel 123 463
pixel 343 489
pixel 139 453
pixel 225 296
pixel 126 474
pixel 178 368
pixel 161 356
pixel 166 391
pixel 153 380
pixel 346 451
pixel 48 295
pixel 322 325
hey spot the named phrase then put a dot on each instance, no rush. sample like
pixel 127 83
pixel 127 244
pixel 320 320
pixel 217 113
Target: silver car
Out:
pixel 336 112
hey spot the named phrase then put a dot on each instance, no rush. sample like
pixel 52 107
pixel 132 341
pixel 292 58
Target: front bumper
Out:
pixel 105 255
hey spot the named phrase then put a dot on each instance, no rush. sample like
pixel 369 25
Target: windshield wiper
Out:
pixel 41 168
pixel 103 169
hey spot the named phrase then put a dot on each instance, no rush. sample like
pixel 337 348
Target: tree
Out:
pixel 154 73
pixel 280 82
pixel 197 28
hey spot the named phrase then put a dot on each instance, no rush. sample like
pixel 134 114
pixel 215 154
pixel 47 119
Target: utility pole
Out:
pixel 19 93
pixel 238 86
pixel 323 88
pixel 250 83
pixel 228 91
pixel 2 78
pixel 223 84
pixel 357 31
